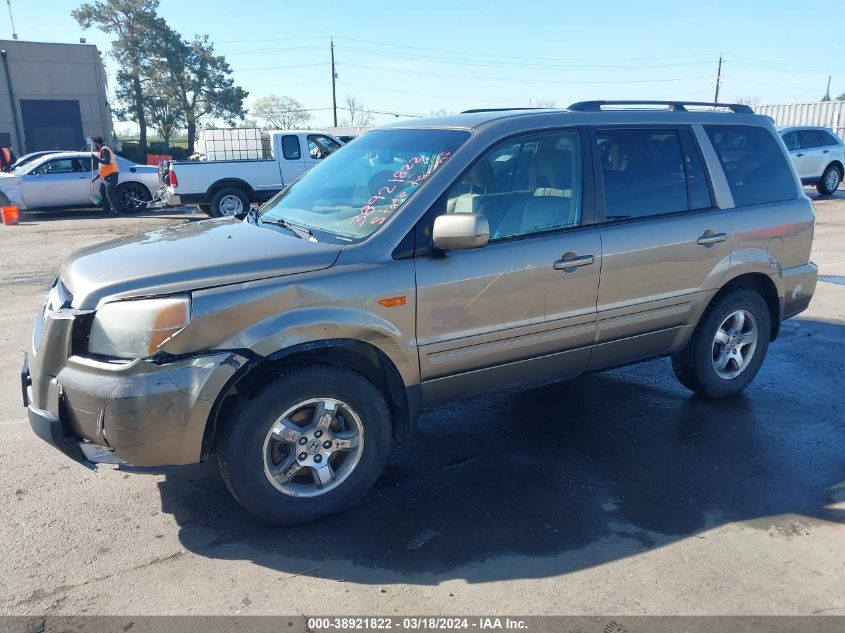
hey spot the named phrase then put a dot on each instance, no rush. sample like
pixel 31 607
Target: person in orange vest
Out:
pixel 7 157
pixel 108 174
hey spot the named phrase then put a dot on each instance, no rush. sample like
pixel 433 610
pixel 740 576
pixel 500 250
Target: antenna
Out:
pixel 11 19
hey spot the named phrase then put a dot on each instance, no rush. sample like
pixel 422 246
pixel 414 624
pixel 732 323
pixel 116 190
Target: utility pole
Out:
pixel 827 92
pixel 11 19
pixel 718 80
pixel 334 91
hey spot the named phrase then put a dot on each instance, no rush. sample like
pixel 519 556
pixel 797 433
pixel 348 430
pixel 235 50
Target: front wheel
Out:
pixel 728 346
pixel 308 445
pixel 829 183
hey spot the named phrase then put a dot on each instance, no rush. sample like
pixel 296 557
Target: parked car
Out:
pixel 228 187
pixel 428 261
pixel 818 155
pixel 28 158
pixel 63 180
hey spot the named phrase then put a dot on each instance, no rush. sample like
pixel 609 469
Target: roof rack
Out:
pixel 679 106
pixel 473 111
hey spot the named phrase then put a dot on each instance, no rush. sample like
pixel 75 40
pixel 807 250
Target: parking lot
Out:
pixel 614 493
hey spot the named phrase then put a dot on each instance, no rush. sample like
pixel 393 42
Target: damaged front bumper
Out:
pixel 136 414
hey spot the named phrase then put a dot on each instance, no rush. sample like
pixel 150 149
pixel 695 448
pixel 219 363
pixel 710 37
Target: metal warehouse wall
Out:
pixel 825 113
pixel 48 81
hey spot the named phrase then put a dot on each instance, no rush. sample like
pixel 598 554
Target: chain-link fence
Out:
pixel 127 145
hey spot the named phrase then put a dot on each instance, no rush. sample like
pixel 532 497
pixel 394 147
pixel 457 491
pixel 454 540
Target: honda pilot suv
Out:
pixel 425 262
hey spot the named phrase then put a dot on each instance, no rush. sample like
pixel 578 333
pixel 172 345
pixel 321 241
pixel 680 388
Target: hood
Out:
pixel 188 257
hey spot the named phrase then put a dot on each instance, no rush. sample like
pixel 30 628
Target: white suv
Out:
pixel 818 155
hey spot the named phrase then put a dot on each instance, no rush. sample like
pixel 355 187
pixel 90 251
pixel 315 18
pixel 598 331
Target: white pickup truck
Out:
pixel 228 187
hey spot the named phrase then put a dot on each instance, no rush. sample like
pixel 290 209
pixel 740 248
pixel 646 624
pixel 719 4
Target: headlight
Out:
pixel 135 329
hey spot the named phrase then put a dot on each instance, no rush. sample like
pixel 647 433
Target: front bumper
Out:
pixel 137 414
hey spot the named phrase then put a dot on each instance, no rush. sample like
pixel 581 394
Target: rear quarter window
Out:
pixel 755 167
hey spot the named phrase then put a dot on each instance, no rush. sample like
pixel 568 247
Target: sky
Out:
pixel 417 58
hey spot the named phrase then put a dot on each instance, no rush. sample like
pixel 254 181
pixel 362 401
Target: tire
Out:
pixel 204 208
pixel 695 365
pixel 248 448
pixel 831 178
pixel 133 197
pixel 229 202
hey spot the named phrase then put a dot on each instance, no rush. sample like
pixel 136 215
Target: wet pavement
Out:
pixel 616 492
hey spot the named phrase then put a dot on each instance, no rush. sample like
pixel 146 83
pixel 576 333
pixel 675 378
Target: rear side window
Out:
pixel 649 172
pixel 290 147
pixel 754 165
pixel 827 138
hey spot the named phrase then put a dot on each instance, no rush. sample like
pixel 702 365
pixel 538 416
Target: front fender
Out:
pixel 271 315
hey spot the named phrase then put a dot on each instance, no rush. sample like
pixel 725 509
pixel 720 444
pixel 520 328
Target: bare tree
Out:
pixel 282 113
pixel 541 103
pixel 359 116
pixel 751 102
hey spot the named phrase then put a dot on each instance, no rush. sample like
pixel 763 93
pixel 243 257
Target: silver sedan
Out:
pixel 63 180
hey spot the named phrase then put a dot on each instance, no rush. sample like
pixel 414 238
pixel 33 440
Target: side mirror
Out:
pixel 460 231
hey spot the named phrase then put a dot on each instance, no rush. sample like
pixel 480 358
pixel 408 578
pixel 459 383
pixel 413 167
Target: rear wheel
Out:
pixel 310 444
pixel 829 183
pixel 229 202
pixel 728 346
pixel 133 196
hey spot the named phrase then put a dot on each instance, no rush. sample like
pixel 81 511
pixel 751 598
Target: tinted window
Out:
pixel 524 186
pixel 290 147
pixel 791 141
pixel 643 172
pixel 808 139
pixel 698 190
pixel 62 166
pixel 754 165
pixel 827 138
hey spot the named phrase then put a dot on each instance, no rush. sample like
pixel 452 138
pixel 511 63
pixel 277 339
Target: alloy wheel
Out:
pixel 734 344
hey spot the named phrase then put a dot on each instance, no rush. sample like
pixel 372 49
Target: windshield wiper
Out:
pixel 299 231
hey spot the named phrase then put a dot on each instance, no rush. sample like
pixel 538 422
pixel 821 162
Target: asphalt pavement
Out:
pixel 617 492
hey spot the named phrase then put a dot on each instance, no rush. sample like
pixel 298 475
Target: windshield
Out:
pixel 356 189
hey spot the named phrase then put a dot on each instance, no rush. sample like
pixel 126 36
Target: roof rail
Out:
pixel 679 106
pixel 473 111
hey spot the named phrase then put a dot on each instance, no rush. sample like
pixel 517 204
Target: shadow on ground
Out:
pixel 565 476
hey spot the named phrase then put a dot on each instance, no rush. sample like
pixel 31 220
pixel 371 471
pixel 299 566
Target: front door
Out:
pixel 60 182
pixel 521 309
pixel 664 244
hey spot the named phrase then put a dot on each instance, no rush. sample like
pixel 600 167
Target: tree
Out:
pixel 163 112
pixel 133 23
pixel 281 113
pixel 358 115
pixel 841 97
pixel 751 102
pixel 198 80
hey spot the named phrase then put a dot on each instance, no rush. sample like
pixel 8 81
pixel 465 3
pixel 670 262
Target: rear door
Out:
pixel 58 182
pixel 664 244
pixel 522 308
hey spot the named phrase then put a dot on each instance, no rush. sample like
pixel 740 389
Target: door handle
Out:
pixel 799 154
pixel 569 265
pixel 713 238
pixel 825 151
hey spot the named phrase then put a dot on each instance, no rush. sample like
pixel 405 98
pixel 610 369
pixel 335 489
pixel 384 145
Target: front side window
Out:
pixel 644 172
pixel 61 166
pixel 320 146
pixel 754 164
pixel 524 186
pixel 790 139
pixel 347 196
